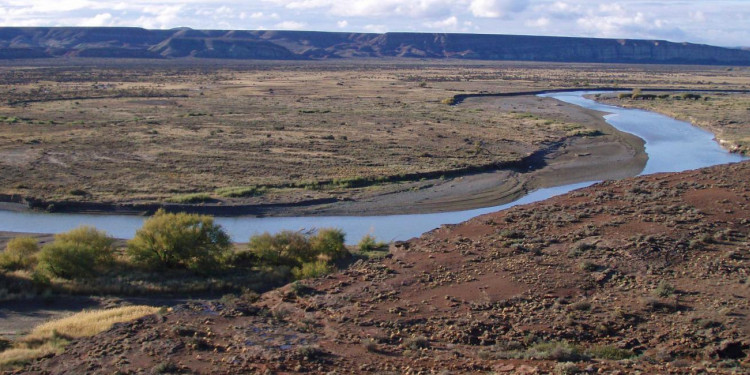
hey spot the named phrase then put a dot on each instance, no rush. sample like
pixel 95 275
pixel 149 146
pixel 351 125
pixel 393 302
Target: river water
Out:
pixel 671 145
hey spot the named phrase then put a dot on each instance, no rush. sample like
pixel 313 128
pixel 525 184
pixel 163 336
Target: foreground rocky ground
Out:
pixel 652 269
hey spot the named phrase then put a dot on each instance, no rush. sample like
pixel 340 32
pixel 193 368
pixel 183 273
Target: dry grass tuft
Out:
pixel 89 323
pixel 53 336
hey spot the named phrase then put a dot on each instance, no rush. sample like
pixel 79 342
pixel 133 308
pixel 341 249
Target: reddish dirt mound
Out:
pixel 654 267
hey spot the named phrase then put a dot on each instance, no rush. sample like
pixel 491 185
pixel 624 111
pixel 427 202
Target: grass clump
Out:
pixel 560 351
pixel 52 337
pixel 609 352
pixel 370 243
pixel 190 198
pixel 567 368
pixel 664 289
pixel 182 241
pixel 241 191
pixel 80 253
pixel 25 353
pixel 310 270
pixel 20 253
pixel 89 323
pixel 417 342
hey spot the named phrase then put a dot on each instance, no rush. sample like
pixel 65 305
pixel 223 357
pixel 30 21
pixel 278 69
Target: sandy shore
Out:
pixel 612 155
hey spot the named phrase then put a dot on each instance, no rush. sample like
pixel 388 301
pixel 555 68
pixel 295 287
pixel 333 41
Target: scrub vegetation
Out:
pixel 172 253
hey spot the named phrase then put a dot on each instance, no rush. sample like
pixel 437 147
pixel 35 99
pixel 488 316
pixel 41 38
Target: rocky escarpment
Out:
pixel 40 42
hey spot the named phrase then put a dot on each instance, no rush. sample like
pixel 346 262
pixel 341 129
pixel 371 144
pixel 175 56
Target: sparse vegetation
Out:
pixel 239 192
pixel 370 243
pixel 190 145
pixel 314 269
pixel 609 352
pixel 190 198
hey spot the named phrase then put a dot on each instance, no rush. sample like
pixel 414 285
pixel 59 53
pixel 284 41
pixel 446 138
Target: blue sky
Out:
pixel 717 22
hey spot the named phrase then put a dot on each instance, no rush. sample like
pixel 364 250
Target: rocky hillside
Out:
pixel 645 275
pixel 41 42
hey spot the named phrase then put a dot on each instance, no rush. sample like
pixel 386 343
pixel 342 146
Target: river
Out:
pixel 671 145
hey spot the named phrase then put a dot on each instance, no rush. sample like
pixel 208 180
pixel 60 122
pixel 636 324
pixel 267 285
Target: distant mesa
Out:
pixel 180 43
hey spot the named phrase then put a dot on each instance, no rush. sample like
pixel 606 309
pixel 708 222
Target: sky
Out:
pixel 716 22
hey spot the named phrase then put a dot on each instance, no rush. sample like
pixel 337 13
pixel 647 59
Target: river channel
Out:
pixel 671 145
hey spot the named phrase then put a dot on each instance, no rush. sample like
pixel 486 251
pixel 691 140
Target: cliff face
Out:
pixel 19 43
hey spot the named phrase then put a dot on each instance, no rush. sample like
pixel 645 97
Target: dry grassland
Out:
pixel 279 132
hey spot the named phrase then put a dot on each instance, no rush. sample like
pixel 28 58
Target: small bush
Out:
pixel 312 270
pixel 567 368
pixel 581 306
pixel 588 266
pixel 20 253
pixel 310 352
pixel 579 249
pixel 329 243
pixel 180 240
pixel 655 304
pixel 296 248
pixel 558 351
pixel 165 368
pixel 664 289
pixel 80 253
pixel 419 342
pixel 284 248
pixel 369 243
pixel 449 101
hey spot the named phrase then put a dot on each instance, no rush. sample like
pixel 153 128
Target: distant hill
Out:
pixel 122 42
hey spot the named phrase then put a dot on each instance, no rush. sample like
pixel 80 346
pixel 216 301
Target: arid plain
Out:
pixel 647 274
pixel 312 133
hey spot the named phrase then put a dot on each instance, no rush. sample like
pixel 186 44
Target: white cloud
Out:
pixel 373 8
pixel 290 25
pixel 635 25
pixel 541 22
pixel 102 19
pixel 698 16
pixel 560 10
pixel 376 28
pixel 159 17
pixel 448 23
pixel 496 8
pixel 342 24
